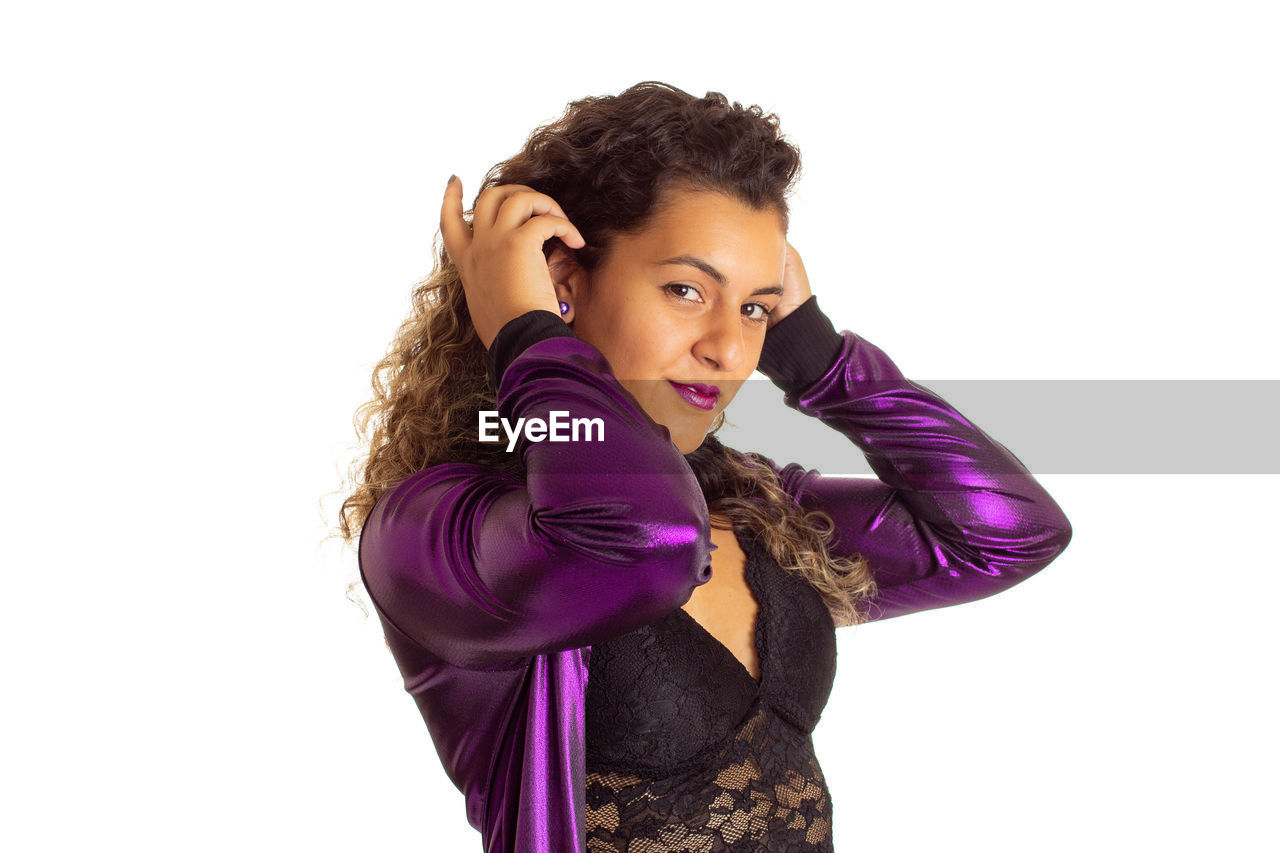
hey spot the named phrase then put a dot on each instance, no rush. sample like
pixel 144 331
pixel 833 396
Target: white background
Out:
pixel 213 215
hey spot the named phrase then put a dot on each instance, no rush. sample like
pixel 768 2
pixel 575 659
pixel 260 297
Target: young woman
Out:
pixel 623 640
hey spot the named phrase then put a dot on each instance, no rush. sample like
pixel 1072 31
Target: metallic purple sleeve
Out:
pixel 601 538
pixel 953 517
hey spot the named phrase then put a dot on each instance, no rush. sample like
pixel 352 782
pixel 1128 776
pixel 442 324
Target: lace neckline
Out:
pixel 759 634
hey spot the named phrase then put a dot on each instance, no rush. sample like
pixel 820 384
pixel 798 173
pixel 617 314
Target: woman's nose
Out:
pixel 721 343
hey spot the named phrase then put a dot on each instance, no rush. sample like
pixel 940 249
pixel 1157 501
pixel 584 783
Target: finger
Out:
pixel 491 199
pixel 519 206
pixel 543 228
pixel 453 228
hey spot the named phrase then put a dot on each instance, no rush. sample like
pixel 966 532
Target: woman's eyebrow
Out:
pixel 716 275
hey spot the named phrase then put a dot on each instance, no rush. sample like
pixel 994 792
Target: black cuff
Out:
pixel 518 335
pixel 801 348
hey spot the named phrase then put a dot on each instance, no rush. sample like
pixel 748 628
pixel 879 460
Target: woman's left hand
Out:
pixel 795 287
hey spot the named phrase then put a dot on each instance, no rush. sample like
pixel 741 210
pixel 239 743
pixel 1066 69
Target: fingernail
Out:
pixel 452 178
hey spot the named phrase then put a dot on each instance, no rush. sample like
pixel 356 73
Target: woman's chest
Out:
pixel 667 692
pixel 725 606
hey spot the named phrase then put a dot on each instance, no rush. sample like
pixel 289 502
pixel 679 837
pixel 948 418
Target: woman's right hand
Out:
pixel 499 257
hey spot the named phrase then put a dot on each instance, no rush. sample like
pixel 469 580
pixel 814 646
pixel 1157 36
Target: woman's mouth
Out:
pixel 700 396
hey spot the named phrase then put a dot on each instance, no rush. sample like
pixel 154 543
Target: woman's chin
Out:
pixel 687 431
pixel 686 443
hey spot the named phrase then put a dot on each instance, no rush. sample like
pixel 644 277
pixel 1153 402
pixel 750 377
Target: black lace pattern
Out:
pixel 687 752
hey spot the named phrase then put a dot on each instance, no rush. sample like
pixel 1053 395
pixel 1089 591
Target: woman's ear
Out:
pixel 569 279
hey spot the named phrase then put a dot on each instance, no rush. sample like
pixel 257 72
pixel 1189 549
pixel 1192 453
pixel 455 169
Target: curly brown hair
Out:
pixel 607 161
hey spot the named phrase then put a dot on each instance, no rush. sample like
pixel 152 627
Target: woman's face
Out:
pixel 685 301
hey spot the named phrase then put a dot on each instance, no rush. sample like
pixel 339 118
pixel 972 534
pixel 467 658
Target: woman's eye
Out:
pixel 680 290
pixel 672 287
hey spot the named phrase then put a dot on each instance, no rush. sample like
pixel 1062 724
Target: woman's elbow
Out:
pixel 1062 536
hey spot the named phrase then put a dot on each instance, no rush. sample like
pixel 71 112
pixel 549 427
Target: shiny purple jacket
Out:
pixel 491 590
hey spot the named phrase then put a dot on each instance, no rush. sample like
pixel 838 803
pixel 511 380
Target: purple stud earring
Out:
pixel 564 307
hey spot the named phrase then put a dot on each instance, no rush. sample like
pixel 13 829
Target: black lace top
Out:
pixel 686 751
